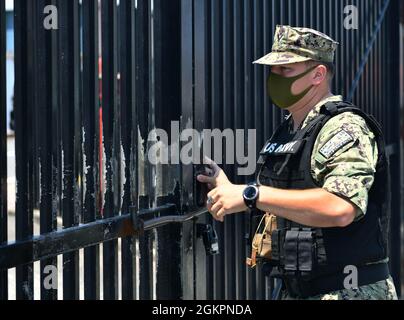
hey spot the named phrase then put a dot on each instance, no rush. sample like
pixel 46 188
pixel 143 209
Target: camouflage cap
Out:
pixel 292 44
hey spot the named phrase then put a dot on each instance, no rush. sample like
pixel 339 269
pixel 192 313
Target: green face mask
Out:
pixel 280 89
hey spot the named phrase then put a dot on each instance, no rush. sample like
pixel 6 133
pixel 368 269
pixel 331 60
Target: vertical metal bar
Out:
pixel 290 16
pixel 375 63
pixel 167 107
pixel 313 20
pixel 365 41
pixel 401 90
pixel 277 19
pixel 303 12
pixel 299 13
pixel 258 105
pixel 228 105
pixel 329 11
pixel 385 93
pixel 317 14
pixel 396 161
pixel 109 113
pixel 56 132
pixel 339 31
pixel 208 122
pixel 78 125
pixel 282 11
pixel 240 254
pixel 90 96
pixel 258 72
pixel 324 19
pixel 360 44
pixel 202 277
pixel 69 107
pixel 129 139
pixel 24 71
pixel 333 33
pixel 142 104
pixel 380 63
pixel 248 102
pixel 342 39
pixel 3 146
pixel 43 102
pixel 371 82
pixel 268 36
pixel 146 272
pixel 217 122
pixel 187 179
pixel 354 53
pixel 347 56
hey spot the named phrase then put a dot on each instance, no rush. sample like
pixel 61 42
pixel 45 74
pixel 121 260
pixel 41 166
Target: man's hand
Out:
pixel 215 175
pixel 226 199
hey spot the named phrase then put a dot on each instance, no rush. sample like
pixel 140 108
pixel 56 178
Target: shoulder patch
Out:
pixel 339 140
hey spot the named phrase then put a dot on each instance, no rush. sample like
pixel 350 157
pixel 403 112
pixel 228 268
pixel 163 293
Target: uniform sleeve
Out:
pixel 344 159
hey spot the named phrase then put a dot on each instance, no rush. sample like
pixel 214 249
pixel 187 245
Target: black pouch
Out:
pixel 300 261
pixel 307 253
pixel 278 238
pixel 291 251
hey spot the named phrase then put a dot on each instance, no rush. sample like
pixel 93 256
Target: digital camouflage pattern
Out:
pixel 349 171
pixel 293 44
pixel 382 290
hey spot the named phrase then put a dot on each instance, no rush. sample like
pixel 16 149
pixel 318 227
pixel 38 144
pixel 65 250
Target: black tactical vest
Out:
pixel 303 252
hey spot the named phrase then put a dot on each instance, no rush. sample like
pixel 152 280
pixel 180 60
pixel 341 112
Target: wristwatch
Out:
pixel 250 195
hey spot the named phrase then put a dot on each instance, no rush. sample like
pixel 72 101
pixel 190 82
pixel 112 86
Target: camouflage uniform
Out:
pixel 382 290
pixel 348 173
pixel 345 153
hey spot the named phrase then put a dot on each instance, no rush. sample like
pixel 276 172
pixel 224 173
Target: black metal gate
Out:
pixel 88 94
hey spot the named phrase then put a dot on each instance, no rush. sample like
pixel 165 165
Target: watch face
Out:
pixel 250 193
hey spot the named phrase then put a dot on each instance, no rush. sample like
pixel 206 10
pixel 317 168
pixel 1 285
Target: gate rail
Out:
pixel 68 240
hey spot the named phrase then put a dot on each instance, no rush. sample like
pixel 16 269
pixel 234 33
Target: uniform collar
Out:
pixel 314 112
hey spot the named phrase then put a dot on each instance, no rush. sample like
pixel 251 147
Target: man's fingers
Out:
pixel 215 208
pixel 207 160
pixel 214 214
pixel 216 168
pixel 205 179
pixel 212 193
pixel 220 215
pixel 213 165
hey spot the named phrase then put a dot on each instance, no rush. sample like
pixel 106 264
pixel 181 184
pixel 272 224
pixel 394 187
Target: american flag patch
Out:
pixel 339 140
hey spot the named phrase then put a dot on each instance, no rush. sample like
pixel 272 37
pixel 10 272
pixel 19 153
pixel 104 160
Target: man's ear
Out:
pixel 320 74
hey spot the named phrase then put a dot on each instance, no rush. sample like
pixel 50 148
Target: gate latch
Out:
pixel 209 237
